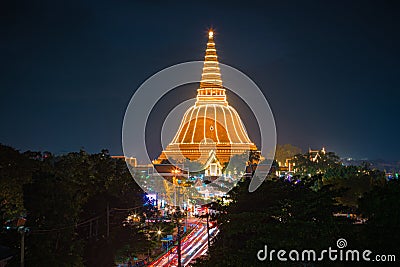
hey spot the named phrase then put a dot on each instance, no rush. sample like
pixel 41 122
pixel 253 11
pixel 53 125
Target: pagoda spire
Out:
pixel 211 89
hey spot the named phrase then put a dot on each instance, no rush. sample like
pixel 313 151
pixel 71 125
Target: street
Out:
pixel 192 246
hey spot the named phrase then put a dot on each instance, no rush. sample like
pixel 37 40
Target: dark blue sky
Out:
pixel 329 69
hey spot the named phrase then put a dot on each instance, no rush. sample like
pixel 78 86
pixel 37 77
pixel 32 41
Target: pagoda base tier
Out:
pixel 201 152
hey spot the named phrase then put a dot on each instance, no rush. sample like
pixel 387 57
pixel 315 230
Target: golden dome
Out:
pixel 211 124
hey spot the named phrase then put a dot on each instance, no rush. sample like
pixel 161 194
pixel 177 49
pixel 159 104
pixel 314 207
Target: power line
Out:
pixel 39 231
pixel 67 227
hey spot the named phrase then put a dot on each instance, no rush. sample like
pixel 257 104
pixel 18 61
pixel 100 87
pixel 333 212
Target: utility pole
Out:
pixel 208 230
pixel 176 215
pixel 179 246
pixel 22 230
pixel 175 186
pixel 186 219
pixel 22 248
pixel 168 251
pixel 90 229
pixel 97 227
pixel 108 219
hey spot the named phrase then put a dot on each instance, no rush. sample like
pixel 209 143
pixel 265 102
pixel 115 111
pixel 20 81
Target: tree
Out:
pixel 307 164
pixel 286 151
pixel 379 207
pixel 354 180
pixel 53 212
pixel 64 199
pixel 15 170
pixel 282 215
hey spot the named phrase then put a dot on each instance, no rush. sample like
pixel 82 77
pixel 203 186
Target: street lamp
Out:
pixel 159 232
pixel 175 173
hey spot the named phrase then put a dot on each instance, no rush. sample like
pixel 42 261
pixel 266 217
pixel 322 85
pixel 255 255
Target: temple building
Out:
pixel 211 131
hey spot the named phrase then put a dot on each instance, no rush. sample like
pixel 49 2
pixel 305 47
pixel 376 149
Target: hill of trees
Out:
pixel 323 202
pixel 64 200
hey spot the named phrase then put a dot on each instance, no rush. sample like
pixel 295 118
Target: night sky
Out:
pixel 329 69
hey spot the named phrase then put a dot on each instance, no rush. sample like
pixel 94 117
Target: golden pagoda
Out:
pixel 210 128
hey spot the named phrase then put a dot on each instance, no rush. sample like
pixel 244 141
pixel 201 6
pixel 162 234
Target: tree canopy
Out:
pixel 64 199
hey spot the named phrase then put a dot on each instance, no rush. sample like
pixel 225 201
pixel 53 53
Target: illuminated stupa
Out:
pixel 210 128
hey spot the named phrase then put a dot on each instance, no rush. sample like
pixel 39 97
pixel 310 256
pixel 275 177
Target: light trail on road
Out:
pixel 192 246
